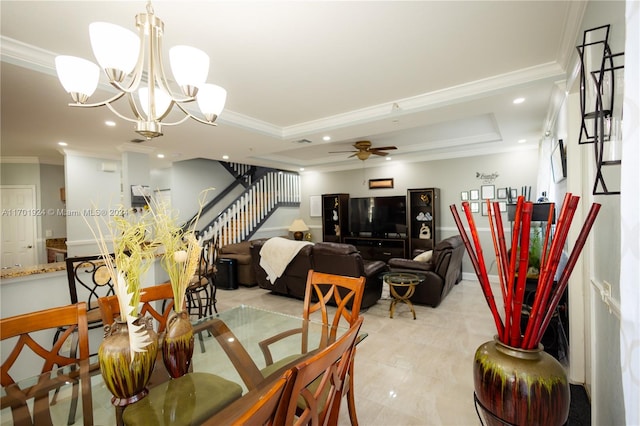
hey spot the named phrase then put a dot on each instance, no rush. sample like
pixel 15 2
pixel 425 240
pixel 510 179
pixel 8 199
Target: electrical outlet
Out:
pixel 48 233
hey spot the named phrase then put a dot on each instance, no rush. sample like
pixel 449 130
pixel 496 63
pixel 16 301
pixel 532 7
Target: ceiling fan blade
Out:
pixel 381 153
pixel 340 152
pixel 383 148
pixel 353 155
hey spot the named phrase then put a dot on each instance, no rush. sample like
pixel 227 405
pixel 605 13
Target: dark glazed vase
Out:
pixel 126 379
pixel 519 387
pixel 177 348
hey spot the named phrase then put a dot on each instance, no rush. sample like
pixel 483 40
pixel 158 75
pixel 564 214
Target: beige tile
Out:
pixel 407 372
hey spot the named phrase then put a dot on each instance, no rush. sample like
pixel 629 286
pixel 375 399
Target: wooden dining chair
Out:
pixel 260 407
pixel 110 309
pixel 336 299
pixel 320 382
pixel 73 320
pixel 201 292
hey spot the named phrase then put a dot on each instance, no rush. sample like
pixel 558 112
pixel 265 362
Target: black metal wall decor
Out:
pixel 600 80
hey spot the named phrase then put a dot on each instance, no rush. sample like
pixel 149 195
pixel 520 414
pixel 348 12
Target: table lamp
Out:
pixel 298 227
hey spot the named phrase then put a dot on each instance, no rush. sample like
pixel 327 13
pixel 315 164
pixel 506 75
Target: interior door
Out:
pixel 19 216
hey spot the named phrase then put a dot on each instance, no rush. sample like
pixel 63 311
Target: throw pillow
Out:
pixel 424 256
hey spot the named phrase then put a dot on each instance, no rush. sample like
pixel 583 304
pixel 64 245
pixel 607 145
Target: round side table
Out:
pixel 406 280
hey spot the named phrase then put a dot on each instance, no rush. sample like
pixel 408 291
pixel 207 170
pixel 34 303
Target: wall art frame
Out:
pixel 488 192
pixel 380 183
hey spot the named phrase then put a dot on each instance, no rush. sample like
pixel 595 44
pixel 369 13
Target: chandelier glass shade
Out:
pixel 133 65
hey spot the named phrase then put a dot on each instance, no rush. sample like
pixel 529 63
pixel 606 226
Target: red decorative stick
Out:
pixel 512 267
pixel 516 338
pixel 496 247
pixel 504 259
pixel 545 280
pixel 566 273
pixel 484 280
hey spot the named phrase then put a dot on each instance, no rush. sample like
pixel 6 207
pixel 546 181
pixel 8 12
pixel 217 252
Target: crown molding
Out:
pixel 427 101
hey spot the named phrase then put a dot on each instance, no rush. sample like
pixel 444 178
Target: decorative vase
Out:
pixel 127 379
pixel 519 387
pixel 177 348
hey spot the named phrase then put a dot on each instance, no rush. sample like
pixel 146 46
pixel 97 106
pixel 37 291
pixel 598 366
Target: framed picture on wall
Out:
pixel 475 207
pixel 502 193
pixel 485 209
pixel 488 192
pixel 474 194
pixel 559 162
pixel 464 195
pixel 315 206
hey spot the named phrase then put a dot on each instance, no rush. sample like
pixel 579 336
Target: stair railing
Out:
pixel 242 218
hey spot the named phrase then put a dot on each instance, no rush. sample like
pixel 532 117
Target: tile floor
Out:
pixel 407 372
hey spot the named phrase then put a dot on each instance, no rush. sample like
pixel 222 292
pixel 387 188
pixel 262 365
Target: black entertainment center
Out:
pixel 381 228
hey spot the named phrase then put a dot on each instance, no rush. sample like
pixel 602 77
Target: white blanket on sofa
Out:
pixel 276 253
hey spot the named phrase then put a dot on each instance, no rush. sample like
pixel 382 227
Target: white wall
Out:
pixel 452 176
pixel 52 178
pixel 89 188
pixel 594 320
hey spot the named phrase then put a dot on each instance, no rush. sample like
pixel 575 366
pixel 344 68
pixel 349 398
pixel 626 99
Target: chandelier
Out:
pixel 133 64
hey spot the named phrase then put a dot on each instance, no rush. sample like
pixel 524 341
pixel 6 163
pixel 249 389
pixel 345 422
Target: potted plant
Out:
pixel 128 351
pixel 515 382
pixel 180 259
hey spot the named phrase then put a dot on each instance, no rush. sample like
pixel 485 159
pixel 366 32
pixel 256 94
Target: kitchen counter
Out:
pixel 24 271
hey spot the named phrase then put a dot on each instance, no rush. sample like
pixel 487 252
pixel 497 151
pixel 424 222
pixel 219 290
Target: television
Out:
pixel 379 217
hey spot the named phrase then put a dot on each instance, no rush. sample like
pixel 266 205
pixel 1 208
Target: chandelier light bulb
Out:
pixel 78 76
pixel 162 102
pixel 211 100
pixel 116 48
pixel 190 67
pixel 133 64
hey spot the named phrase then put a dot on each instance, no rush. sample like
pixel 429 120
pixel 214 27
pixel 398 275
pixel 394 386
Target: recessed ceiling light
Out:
pixel 61 143
pixel 160 155
pixel 518 100
pixel 302 169
pixel 110 123
pixel 522 141
pixel 326 138
pixel 225 157
pixel 388 158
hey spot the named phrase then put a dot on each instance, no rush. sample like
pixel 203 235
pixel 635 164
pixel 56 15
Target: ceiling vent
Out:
pixel 138 140
pixel 303 141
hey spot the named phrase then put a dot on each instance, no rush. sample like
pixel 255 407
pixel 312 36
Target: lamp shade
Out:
pixel 161 98
pixel 298 225
pixel 77 75
pixel 189 65
pixel 211 100
pixel 114 46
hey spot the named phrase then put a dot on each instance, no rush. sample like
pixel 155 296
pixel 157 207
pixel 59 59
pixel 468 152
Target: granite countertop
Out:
pixel 32 270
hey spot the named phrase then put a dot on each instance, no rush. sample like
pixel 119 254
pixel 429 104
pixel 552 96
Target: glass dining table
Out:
pixel 230 349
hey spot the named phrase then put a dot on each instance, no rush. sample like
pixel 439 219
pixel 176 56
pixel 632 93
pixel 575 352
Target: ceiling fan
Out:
pixel 364 150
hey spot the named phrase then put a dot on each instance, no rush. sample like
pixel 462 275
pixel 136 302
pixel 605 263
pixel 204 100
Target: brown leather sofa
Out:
pixel 442 272
pixel 331 258
pixel 241 252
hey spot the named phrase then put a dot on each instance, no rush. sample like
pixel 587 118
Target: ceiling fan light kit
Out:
pixel 364 150
pixel 127 57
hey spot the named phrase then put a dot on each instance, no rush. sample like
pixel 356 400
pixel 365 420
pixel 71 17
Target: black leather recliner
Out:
pixel 442 272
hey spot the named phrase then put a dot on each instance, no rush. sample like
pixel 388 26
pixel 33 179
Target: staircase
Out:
pixel 265 191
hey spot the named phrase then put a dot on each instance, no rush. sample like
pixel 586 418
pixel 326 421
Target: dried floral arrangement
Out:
pixel 512 268
pixel 136 241
pixel 132 257
pixel 181 247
